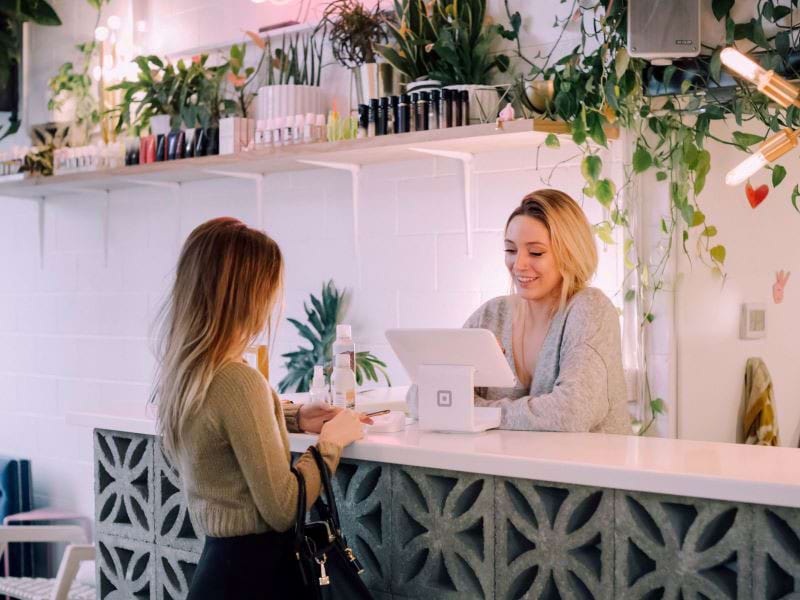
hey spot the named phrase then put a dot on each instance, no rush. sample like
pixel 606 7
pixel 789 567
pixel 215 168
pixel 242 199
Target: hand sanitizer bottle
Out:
pixel 343 382
pixel 319 391
pixel 344 344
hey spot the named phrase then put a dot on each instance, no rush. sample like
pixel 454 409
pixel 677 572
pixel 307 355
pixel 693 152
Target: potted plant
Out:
pixel 152 100
pixel 323 316
pixel 448 41
pixel 72 99
pixel 293 75
pixel 354 30
pixel 413 35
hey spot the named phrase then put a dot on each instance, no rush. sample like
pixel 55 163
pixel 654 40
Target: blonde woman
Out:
pixel 222 422
pixel 561 338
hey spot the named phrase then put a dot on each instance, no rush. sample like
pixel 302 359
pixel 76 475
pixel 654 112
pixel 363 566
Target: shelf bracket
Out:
pixel 258 178
pixel 355 177
pixel 40 206
pixel 106 213
pixel 467 170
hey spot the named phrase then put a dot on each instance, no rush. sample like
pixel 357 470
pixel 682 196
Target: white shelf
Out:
pixel 475 139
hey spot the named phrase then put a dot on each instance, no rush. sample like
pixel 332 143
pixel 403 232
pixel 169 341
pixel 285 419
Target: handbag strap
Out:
pixel 300 524
pixel 329 506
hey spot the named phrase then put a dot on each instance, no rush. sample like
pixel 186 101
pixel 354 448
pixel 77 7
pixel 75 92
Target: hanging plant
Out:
pixel 598 84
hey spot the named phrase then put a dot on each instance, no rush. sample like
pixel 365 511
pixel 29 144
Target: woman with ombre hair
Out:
pixel 560 337
pixel 225 427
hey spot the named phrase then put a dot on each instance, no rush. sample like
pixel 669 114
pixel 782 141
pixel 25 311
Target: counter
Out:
pixel 501 514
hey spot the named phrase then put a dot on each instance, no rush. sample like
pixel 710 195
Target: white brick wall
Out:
pixel 74 333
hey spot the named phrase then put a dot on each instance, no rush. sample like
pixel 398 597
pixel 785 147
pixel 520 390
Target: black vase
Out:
pixel 200 142
pixel 212 133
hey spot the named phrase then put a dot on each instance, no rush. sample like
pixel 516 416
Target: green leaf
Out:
pixel 715 66
pixel 745 140
pixel 621 61
pixel 664 226
pixel 721 8
pixel 730 31
pixel 661 176
pixel 795 194
pixel 669 72
pixel 604 232
pixel 657 406
pixel 782 42
pixel 551 141
pixel 641 159
pixel 781 12
pixel 605 191
pixel 718 254
pixel 630 295
pixel 699 218
pixel 650 317
pixel 778 174
pixel 591 166
pixel 709 231
pixel 685 85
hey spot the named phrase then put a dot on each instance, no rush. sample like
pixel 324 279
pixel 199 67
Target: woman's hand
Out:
pixel 312 417
pixel 344 429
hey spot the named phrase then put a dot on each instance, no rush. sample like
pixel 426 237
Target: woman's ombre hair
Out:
pixel 571 238
pixel 227 284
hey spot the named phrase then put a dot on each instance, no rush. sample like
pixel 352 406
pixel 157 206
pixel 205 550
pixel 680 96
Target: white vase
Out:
pixel 484 102
pixel 289 100
pixel 159 125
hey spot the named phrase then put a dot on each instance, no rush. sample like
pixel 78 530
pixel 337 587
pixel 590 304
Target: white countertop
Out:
pixel 733 472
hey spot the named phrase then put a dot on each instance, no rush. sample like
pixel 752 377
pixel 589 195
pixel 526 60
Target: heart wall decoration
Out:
pixel 756 196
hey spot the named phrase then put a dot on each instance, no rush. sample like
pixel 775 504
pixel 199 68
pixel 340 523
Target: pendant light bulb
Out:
pixel 769 151
pixel 745 169
pixel 743 66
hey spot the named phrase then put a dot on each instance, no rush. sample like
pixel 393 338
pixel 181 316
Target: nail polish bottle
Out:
pixel 423 120
pixel 434 111
pixel 395 102
pixel 412 109
pixel 459 109
pixel 404 114
pixel 447 101
pixel 465 107
pixel 363 121
pixel 374 124
pixel 385 115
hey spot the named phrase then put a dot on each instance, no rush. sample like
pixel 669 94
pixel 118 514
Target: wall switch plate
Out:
pixel 753 322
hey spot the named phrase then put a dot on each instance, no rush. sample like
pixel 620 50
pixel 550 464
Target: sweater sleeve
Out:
pixel 250 423
pixel 579 400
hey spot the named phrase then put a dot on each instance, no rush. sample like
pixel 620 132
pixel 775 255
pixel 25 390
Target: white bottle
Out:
pixel 343 383
pixel 319 391
pixel 344 344
pixel 299 126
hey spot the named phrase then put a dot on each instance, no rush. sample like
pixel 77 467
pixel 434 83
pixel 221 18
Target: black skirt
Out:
pixel 258 566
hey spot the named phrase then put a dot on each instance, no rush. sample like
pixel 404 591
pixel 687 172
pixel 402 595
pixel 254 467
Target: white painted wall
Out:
pixel 74 333
pixel 711 357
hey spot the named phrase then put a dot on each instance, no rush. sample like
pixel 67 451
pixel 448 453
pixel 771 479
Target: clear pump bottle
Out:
pixel 343 382
pixel 319 393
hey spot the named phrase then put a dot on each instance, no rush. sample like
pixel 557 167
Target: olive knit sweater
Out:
pixel 234 458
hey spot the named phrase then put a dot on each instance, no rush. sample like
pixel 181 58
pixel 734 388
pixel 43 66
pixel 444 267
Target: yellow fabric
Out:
pixel 760 425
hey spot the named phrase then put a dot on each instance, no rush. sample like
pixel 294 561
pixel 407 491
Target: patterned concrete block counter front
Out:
pixel 502 515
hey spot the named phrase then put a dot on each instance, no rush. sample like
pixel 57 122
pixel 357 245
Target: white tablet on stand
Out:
pixel 446 364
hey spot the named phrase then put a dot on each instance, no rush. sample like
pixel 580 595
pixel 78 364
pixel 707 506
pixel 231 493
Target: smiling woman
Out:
pixel 561 338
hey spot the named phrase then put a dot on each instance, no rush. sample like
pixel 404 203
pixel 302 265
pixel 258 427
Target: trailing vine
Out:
pixel 667 114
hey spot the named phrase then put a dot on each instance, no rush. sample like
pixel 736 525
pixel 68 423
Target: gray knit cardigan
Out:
pixel 578 384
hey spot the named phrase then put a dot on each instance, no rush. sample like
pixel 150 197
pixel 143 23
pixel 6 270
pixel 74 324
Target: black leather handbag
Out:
pixel 328 567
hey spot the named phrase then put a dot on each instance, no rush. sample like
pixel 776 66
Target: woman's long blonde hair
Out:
pixel 571 238
pixel 228 282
